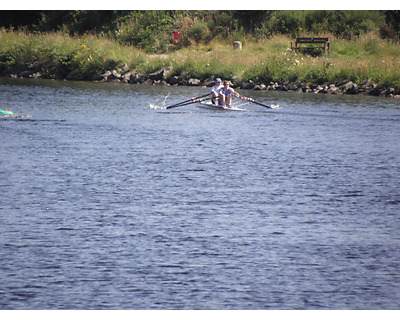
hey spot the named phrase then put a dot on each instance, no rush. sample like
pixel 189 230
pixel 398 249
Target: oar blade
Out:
pixel 6 111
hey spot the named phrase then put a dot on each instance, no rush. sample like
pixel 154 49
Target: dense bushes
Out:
pixel 150 30
pixel 342 24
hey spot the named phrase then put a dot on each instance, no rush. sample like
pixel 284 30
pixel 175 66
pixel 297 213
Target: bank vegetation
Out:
pixel 365 53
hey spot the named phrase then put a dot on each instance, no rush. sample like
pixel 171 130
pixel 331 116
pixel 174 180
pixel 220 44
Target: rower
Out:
pixel 215 92
pixel 226 93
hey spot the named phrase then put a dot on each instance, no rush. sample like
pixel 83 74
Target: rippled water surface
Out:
pixel 107 203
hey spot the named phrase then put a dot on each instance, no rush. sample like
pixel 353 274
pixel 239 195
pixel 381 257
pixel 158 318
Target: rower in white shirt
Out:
pixel 215 92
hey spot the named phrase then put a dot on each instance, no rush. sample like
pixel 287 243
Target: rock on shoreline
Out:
pixel 161 77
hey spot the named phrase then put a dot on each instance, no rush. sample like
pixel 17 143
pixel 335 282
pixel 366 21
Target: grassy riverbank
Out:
pixel 54 55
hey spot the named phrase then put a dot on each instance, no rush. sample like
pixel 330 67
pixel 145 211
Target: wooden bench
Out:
pixel 316 43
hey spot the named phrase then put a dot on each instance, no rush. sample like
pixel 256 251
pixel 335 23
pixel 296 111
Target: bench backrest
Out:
pixel 312 40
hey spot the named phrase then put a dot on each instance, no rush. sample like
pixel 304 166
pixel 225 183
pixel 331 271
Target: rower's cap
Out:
pixel 218 80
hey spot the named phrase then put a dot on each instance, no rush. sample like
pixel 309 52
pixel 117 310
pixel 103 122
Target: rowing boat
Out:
pixel 210 105
pixel 207 104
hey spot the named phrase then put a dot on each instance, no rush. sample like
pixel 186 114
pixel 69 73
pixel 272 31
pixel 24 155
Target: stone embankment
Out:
pixel 161 77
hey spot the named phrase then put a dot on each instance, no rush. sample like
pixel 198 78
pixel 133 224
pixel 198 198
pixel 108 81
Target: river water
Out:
pixel 108 203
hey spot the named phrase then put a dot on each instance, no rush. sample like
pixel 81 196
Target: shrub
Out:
pixel 148 30
pixel 200 32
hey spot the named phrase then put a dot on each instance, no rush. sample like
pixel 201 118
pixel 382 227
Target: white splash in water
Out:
pixel 155 106
pixel 158 105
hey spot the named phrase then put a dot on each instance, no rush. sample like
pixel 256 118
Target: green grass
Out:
pixel 261 61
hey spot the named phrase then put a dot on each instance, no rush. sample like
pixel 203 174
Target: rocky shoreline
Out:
pixel 161 77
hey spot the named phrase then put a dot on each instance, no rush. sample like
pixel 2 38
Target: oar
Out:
pixel 6 111
pixel 186 101
pixel 256 102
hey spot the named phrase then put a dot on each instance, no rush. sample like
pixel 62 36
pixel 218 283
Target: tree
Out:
pixel 391 28
pixel 77 21
pixel 251 19
pixel 18 18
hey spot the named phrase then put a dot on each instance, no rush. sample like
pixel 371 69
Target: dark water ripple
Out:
pixel 108 204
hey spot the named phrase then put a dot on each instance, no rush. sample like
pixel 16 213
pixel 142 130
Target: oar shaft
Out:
pixel 261 104
pixel 187 101
pixel 256 102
